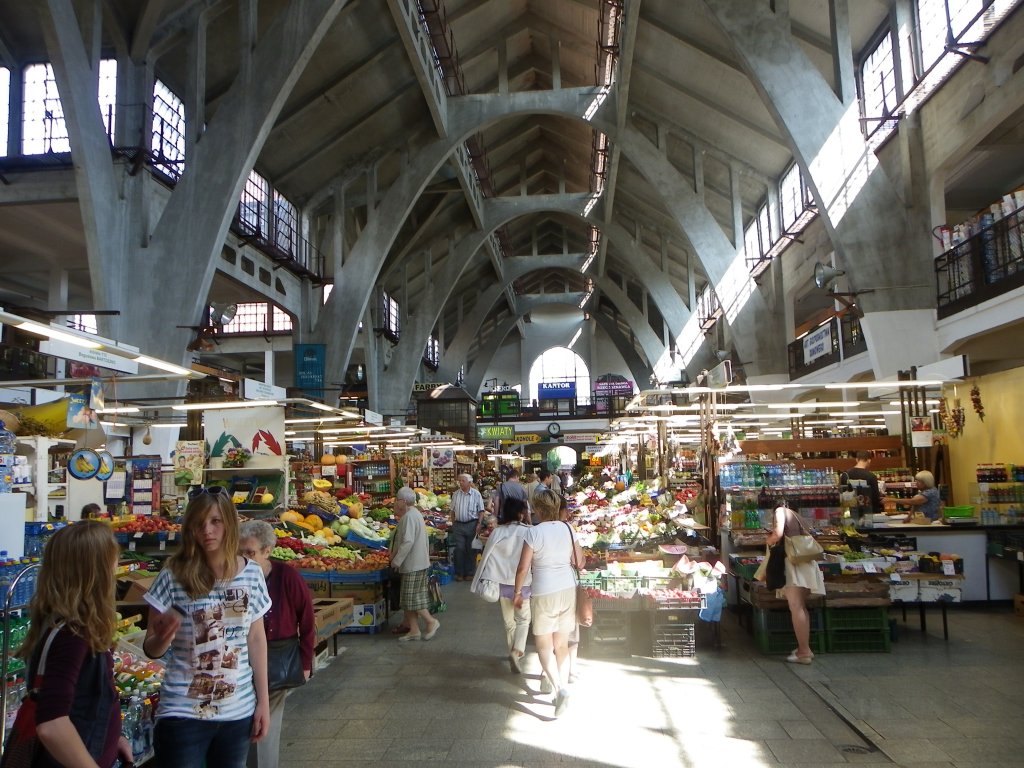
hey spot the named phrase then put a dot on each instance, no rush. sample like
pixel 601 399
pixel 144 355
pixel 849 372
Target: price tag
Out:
pixel 870 568
pixel 163 545
pixel 947 568
pixel 131 546
pixel 172 535
pixel 1020 556
pixel 138 535
pixel 894 576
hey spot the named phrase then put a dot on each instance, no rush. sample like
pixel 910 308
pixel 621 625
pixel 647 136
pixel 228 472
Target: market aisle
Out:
pixel 453 700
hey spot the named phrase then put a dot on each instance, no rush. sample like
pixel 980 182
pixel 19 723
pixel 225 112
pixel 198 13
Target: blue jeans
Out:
pixel 184 742
pixel 462 535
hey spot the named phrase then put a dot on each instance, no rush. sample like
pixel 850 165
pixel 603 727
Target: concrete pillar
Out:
pixel 842 51
pixel 17 111
pixel 698 171
pixel 268 364
pixel 899 339
pixel 57 298
pixel 737 206
pixel 194 99
pixel 503 65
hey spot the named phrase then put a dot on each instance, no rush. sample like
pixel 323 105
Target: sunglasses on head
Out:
pixel 212 490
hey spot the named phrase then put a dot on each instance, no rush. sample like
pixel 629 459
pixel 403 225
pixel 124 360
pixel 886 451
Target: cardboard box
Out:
pixel 946 589
pixel 362 595
pixel 318 583
pixel 331 614
pixel 904 591
pixel 1018 604
pixel 138 588
pixel 370 615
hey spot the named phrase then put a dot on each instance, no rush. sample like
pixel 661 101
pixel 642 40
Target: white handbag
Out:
pixel 489 590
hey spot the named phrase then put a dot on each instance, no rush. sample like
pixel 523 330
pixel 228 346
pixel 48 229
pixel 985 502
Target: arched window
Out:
pixel 561 364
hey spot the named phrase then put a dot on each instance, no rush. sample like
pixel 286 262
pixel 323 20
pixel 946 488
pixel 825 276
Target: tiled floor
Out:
pixel 453 701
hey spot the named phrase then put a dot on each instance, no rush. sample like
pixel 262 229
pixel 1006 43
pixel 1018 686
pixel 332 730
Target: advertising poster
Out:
pixel 189 462
pixel 921 432
pixel 309 369
pixel 96 395
pixel 80 415
pixel 442 457
pixel 258 430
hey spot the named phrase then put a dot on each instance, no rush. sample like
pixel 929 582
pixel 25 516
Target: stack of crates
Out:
pixel 773 630
pixel 673 629
pixel 857 630
pixel 609 636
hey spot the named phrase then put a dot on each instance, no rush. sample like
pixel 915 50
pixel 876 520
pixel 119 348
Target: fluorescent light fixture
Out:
pixel 179 425
pixel 821 404
pixel 347 430
pixel 864 413
pixel 322 420
pixel 880 384
pixel 829 423
pixel 926 402
pixel 118 409
pixel 45 330
pixel 320 406
pixel 163 365
pixel 116 424
pixel 219 406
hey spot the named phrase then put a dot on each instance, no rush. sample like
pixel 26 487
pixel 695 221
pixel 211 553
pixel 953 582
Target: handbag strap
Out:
pixel 40 670
pixel 572 553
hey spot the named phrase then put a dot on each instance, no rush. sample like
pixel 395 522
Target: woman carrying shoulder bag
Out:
pixel 76 709
pixel 803 578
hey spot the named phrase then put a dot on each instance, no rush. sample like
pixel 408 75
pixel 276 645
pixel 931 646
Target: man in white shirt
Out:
pixel 467 508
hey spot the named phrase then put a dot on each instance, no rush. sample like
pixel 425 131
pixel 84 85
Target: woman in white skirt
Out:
pixel 802 580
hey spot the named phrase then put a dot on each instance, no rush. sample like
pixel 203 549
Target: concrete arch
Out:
pixel 408 352
pixel 339 318
pixel 475 374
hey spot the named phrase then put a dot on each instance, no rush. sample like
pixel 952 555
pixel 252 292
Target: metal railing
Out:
pixel 847 340
pixel 985 265
pixel 280 241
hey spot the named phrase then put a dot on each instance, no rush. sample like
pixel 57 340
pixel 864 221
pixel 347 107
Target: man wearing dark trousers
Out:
pixel 467 509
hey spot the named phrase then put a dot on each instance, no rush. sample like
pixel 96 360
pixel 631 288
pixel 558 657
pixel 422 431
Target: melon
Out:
pixel 291 516
pixel 314 522
pixel 328 458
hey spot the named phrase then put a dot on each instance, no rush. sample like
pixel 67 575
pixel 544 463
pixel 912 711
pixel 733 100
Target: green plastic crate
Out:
pixel 785 642
pixel 859 641
pixel 779 620
pixel 841 619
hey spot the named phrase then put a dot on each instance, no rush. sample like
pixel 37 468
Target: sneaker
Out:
pixel 515 663
pixel 545 685
pixel 561 702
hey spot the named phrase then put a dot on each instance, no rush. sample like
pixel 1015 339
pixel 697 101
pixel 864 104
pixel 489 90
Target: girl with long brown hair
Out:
pixel 78 714
pixel 207 609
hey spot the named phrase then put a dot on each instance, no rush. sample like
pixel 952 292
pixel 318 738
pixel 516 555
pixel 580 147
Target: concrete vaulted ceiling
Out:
pixel 359 116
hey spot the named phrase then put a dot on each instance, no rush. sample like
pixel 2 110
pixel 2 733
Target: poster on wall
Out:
pixel 921 432
pixel 260 431
pixel 80 415
pixel 309 369
pixel 818 343
pixel 189 462
pixel 442 457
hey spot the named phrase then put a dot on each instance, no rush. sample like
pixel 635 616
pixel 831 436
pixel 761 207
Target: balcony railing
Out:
pixel 987 264
pixel 283 245
pixel 844 340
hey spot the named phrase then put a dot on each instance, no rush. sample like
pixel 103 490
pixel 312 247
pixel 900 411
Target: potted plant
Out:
pixel 236 457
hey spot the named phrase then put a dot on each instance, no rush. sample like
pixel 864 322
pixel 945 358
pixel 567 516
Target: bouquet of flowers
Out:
pixel 236 457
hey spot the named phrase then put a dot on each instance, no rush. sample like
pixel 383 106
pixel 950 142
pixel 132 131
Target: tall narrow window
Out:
pixel 107 92
pixel 5 108
pixel 254 210
pixel 790 194
pixel 282 320
pixel 286 225
pixel 751 242
pixel 43 128
pixel 432 354
pixel 879 93
pixel 765 228
pixel 931 23
pixel 560 365
pixel 390 317
pixel 168 141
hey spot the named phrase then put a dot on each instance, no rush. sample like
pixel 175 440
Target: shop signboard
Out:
pixel 429 386
pixel 553 390
pixel 310 360
pixel 496 432
pixel 98 357
pixel 582 437
pixel 526 438
pixel 623 387
pixel 818 343
pixel 261 390
pixel 372 417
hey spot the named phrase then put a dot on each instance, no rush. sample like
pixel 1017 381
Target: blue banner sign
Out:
pixel 556 389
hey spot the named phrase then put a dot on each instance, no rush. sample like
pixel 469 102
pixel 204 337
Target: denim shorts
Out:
pixel 185 742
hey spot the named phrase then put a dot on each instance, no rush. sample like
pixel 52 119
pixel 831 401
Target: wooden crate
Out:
pixel 331 613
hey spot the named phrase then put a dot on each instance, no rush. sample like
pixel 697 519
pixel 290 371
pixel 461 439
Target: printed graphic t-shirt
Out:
pixel 208 675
